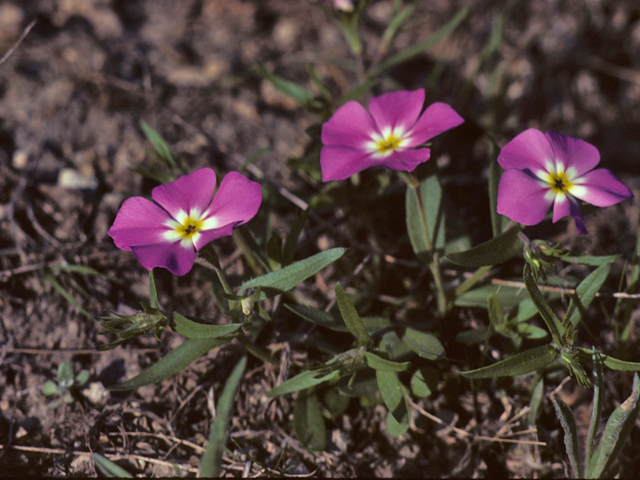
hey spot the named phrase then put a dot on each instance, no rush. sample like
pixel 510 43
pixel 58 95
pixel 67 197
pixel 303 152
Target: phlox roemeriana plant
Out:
pixel 391 134
pixel 550 169
pixel 183 217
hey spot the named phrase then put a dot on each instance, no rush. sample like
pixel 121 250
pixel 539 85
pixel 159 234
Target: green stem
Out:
pixel 252 348
pixel 434 265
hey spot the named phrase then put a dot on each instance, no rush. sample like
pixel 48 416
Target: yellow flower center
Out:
pixel 388 144
pixel 559 182
pixel 189 228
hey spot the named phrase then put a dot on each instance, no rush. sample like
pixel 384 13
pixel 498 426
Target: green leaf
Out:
pixel 65 374
pixel 308 423
pixel 286 278
pixel 351 317
pixel 302 96
pixel 610 362
pixel 585 293
pixel 191 329
pixel 568 423
pixel 553 322
pixel 596 412
pixel 495 172
pixel 419 48
pixel 335 322
pixel 50 388
pixel 211 465
pixel 497 250
pixel 471 337
pixel 396 428
pixel 424 382
pixel 534 404
pixel 393 397
pixel 590 260
pixel 108 468
pixel 358 91
pixel 302 381
pixel 430 194
pixel 508 296
pixel 173 362
pixel 289 249
pixel 520 364
pixel 424 344
pixel 163 151
pixel 615 433
pixel 67 296
pixel 82 269
pixel 496 313
pixel 82 377
pixel 379 363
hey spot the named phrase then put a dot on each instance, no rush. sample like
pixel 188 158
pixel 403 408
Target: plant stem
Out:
pixel 434 264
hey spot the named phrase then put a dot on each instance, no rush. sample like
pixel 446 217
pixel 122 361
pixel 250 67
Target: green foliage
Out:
pixel 108 468
pixel 499 249
pixel 66 386
pixel 211 465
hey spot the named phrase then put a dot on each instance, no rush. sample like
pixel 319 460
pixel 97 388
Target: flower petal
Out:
pixel 573 152
pixel 338 163
pixel 437 118
pixel 406 160
pixel 172 256
pixel 236 202
pixel 350 126
pixel 566 205
pixel 522 198
pixel 192 191
pixel 527 150
pixel 397 109
pixel 600 188
pixel 139 222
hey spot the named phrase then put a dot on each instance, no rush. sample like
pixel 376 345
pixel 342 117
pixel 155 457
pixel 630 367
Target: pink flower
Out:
pixel 544 169
pixel 389 135
pixel 183 217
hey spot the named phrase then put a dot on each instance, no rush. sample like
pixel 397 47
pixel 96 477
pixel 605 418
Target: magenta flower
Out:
pixel 389 136
pixel 544 169
pixel 183 217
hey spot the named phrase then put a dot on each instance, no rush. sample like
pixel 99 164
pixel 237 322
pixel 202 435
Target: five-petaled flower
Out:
pixel 390 135
pixel 183 217
pixel 544 169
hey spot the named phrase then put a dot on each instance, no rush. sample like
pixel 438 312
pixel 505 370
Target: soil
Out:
pixel 73 95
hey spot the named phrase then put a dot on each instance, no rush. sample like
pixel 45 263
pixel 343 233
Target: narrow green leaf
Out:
pixel 470 337
pixel 379 363
pixel 173 362
pixel 66 295
pixel 153 293
pixel 553 322
pixel 534 404
pixel 289 249
pixel 191 329
pixel 395 427
pixel 495 172
pixel 302 96
pixel 497 250
pixel 308 423
pixel 358 91
pixel 591 260
pixel 335 322
pixel 392 394
pixel 419 48
pixel 568 423
pixel 211 465
pixel 596 412
pixel 585 293
pixel 286 278
pixel 108 468
pixel 430 194
pixel 496 313
pixel 83 269
pixel 508 296
pixel 302 381
pixel 520 364
pixel 610 362
pixel 163 151
pixel 424 344
pixel 351 318
pixel 615 433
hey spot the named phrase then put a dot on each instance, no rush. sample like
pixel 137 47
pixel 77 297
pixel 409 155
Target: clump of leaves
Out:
pixel 66 385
